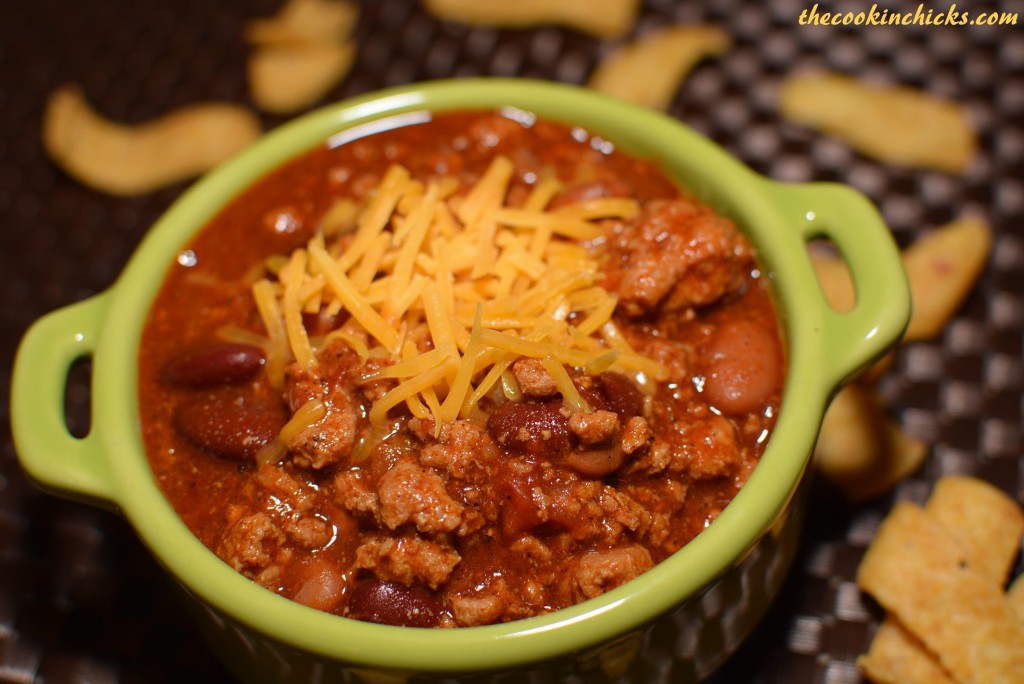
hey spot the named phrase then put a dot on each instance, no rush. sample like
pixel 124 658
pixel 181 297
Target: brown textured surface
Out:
pixel 80 600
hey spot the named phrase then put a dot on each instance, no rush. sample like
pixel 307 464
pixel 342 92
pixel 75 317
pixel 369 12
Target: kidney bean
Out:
pixel 519 512
pixel 227 428
pixel 321 584
pixel 536 429
pixel 621 394
pixel 596 462
pixel 213 365
pixel 742 368
pixel 393 604
pixel 385 455
pixel 563 510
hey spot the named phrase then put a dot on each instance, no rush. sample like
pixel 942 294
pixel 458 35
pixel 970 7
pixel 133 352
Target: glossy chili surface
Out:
pixel 480 521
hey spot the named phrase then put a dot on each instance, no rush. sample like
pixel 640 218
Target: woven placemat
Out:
pixel 81 600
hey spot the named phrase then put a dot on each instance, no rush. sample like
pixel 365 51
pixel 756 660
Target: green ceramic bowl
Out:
pixel 679 620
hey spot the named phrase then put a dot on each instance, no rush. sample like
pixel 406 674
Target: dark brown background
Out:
pixel 80 600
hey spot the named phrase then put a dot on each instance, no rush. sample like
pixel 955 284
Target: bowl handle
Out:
pixel 56 460
pixel 835 212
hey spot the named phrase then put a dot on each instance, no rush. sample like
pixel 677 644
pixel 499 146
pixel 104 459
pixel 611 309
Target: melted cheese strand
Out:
pixel 412 386
pixel 570 395
pixel 354 302
pixel 419 224
pixel 460 386
pixel 542 193
pixel 415 364
pixel 537 350
pixel 376 216
pixel 273 321
pixel 291 277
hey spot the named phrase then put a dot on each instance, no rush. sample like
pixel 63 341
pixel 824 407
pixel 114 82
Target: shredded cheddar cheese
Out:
pixel 450 290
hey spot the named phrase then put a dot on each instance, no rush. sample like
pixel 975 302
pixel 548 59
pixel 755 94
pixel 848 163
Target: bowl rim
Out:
pixel 707 170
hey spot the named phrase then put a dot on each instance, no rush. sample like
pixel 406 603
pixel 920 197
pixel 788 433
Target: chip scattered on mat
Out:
pixel 940 571
pixel 300 53
pixel 133 159
pixel 600 18
pixel 861 449
pixel 303 22
pixel 895 124
pixel 942 267
pixel 649 71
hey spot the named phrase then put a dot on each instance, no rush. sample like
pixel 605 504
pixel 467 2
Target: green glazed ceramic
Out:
pixel 679 620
